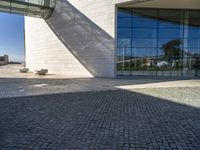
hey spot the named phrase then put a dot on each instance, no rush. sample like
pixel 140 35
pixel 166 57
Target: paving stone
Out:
pixel 115 119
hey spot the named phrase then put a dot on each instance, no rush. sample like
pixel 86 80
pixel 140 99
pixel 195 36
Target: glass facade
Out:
pixel 35 8
pixel 158 42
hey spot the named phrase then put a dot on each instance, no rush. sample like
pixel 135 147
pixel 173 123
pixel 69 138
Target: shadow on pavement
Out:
pixel 98 120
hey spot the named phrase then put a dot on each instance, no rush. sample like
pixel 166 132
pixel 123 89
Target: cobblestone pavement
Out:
pixel 14 87
pixel 115 119
pixel 184 95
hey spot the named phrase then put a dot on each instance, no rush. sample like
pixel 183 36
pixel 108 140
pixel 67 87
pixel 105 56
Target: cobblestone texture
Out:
pixel 184 95
pixel 106 120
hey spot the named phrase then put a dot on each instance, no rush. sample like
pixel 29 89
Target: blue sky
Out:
pixel 12 36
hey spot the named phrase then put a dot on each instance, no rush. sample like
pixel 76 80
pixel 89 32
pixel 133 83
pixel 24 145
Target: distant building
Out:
pixel 4 60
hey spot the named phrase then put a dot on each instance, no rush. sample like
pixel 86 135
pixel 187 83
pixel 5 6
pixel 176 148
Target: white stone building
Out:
pixel 110 38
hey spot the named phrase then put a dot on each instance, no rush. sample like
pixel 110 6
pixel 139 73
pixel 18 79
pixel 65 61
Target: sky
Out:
pixel 12 36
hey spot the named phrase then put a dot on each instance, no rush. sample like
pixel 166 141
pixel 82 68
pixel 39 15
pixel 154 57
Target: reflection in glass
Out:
pixel 142 22
pixel 36 8
pixel 124 42
pixel 158 42
pixel 144 33
pixel 124 23
pixel 124 33
pixel 144 42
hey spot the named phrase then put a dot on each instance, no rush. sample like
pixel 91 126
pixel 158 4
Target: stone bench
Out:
pixel 42 71
pixel 23 70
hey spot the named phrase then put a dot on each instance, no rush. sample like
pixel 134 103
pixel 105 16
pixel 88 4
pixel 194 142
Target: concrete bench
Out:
pixel 42 72
pixel 23 70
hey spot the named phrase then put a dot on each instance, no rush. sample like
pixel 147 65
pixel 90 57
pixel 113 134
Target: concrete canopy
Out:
pixel 172 4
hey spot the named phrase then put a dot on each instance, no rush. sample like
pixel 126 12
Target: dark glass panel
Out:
pixel 123 33
pixel 124 59
pixel 124 22
pixel 144 52
pixel 172 49
pixel 194 23
pixel 142 22
pixel 171 25
pixel 192 43
pixel 124 42
pixel 170 33
pixel 143 64
pixel 177 42
pixel 193 33
pixel 144 33
pixel 173 31
pixel 145 12
pixel 124 52
pixel 136 42
pixel 194 19
pixel 194 14
pixel 124 12
pixel 167 14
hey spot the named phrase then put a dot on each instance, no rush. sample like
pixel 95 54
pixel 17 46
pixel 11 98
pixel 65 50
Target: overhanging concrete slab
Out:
pixel 169 4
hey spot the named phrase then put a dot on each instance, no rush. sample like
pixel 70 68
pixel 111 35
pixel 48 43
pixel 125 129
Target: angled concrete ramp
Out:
pixel 73 41
pixel 34 8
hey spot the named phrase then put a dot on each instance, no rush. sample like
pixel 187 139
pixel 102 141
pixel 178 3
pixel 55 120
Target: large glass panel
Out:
pixel 145 12
pixel 170 33
pixel 158 42
pixel 35 8
pixel 144 61
pixel 124 42
pixel 124 23
pixel 194 33
pixel 142 22
pixel 166 14
pixel 144 33
pixel 124 61
pixel 143 42
pixel 124 33
pixel 124 12
pixel 169 25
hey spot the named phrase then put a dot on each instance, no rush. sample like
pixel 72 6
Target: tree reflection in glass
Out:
pixel 172 52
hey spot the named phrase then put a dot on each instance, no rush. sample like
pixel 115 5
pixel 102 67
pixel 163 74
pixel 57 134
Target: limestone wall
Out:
pixel 78 39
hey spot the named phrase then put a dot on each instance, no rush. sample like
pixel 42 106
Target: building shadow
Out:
pixel 98 120
pixel 90 44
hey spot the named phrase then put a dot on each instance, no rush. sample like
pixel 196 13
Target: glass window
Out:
pixel 144 33
pixel 144 42
pixel 194 23
pixel 124 51
pixel 170 33
pixel 124 23
pixel 124 12
pixel 144 52
pixel 141 22
pixel 170 42
pixel 194 14
pixel 145 12
pixel 171 25
pixel 192 43
pixel 167 14
pixel 193 33
pixel 124 33
pixel 158 41
pixel 124 60
pixel 124 42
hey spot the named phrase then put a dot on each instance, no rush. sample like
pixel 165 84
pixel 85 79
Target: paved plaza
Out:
pixel 99 114
pixel 115 119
